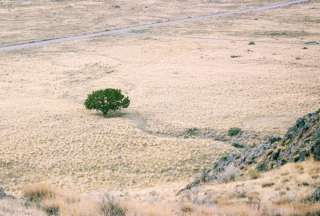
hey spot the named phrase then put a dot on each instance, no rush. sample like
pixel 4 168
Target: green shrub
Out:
pixel 234 131
pixel 237 145
pixel 107 100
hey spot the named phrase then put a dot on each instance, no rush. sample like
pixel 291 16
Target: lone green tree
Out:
pixel 106 100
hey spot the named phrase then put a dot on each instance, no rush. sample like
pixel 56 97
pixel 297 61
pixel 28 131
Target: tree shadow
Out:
pixel 111 114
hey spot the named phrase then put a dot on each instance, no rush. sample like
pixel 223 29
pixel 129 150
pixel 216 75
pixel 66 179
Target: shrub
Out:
pixel 229 174
pixel 237 145
pixel 191 132
pixel 110 208
pixel 52 207
pixel 38 192
pixel 107 100
pixel 234 131
pixel 253 174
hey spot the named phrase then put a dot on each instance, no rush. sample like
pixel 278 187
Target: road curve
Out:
pixel 128 29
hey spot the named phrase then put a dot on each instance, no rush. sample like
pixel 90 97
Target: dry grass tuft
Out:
pixel 109 207
pixel 253 173
pixel 54 201
pixel 9 207
pixel 38 192
pixel 186 208
pixel 290 208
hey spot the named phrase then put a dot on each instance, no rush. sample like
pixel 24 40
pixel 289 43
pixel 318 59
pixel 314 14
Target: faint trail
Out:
pixel 245 138
pixel 141 123
pixel 128 29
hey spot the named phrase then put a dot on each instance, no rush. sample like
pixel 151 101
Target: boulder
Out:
pixel 315 197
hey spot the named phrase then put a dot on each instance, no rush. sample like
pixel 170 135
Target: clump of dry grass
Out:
pixel 9 207
pixel 253 173
pixel 230 174
pixel 38 192
pixel 109 207
pixel 270 194
pixel 188 208
pixel 54 201
pixel 283 209
pixel 293 208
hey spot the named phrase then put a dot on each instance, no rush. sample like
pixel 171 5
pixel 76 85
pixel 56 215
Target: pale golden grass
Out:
pixel 284 209
pixel 66 203
pixel 10 207
pixel 253 173
pixel 188 208
pixel 40 191
pixel 140 208
pixel 49 133
pixel 288 209
pixel 241 197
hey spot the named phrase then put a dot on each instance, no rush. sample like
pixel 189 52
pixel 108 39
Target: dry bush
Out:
pixel 253 173
pixel 195 210
pixel 9 207
pixel 186 208
pixel 229 174
pixel 54 201
pixel 109 207
pixel 38 192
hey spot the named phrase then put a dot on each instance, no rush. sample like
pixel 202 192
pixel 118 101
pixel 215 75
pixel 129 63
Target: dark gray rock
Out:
pixel 312 43
pixel 316 148
pixel 315 197
pixel 301 141
pixel 2 193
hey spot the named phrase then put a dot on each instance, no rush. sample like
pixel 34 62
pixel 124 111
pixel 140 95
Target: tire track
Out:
pixel 130 29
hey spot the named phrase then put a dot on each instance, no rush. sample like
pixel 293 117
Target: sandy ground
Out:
pixel 27 20
pixel 202 75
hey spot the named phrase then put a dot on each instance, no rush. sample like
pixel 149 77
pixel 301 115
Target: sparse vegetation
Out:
pixel 234 131
pixel 51 207
pixel 315 197
pixel 237 145
pixel 235 56
pixel 38 192
pixel 267 184
pixel 206 76
pixel 253 173
pixel 107 100
pixel 191 132
pixel 186 208
pixel 110 208
pixel 230 174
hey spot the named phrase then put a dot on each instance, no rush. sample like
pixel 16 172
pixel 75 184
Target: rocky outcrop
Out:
pixel 315 197
pixel 301 141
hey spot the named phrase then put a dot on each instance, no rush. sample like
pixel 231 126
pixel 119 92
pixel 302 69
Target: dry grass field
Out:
pixel 204 74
